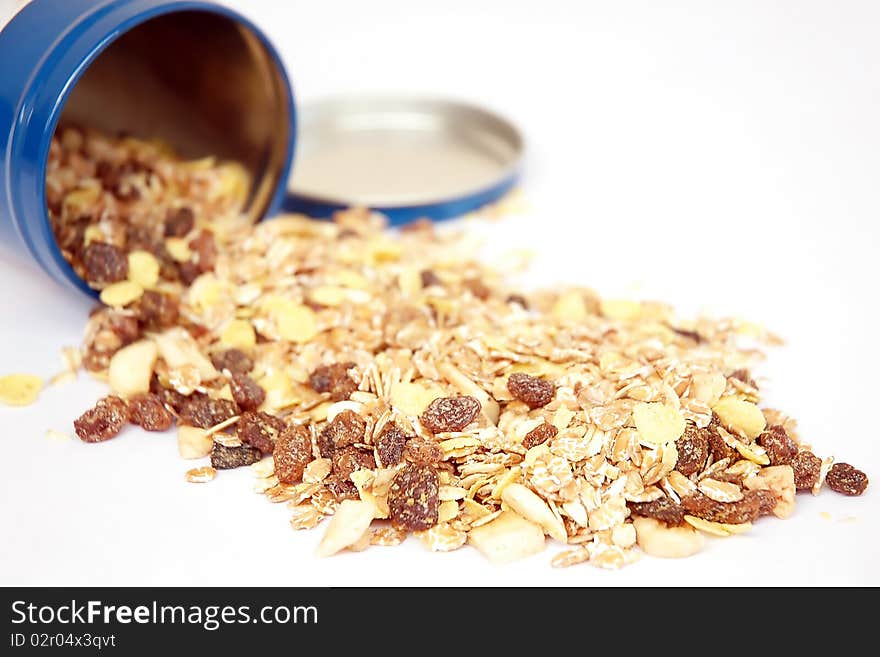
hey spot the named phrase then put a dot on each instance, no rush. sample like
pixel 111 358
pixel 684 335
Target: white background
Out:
pixel 718 155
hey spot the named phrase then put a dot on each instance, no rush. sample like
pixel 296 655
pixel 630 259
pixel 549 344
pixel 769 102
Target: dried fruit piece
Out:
pixel 693 449
pixel 661 509
pixel 347 428
pixel 193 442
pixel 390 445
pixel 414 498
pixel 780 448
pixel 450 413
pixel 507 538
pixel 234 360
pixel 660 540
pixel 157 311
pixel 718 448
pixel 149 412
pixel 750 507
pixel 104 264
pixel 260 430
pixel 348 459
pixel 102 422
pixel 844 478
pixel 744 376
pixel 740 416
pixel 341 488
pixel 346 527
pixel 334 379
pixel 429 278
pixel 292 453
pixel 246 392
pixel 226 458
pixel 413 398
pixel 297 323
pixel 806 466
pixel 20 389
pixel 205 249
pixel 203 412
pixel 179 222
pixel 423 451
pixel 131 368
pixel 533 391
pixel 539 435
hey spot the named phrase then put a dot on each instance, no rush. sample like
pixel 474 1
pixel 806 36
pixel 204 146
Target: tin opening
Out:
pixel 199 81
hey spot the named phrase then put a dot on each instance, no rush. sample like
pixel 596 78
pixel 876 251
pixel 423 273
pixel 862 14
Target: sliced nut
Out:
pixel 740 416
pixel 507 538
pixel 658 540
pixel 143 269
pixel 657 423
pixel 531 507
pixel 193 443
pixel 347 526
pixel 20 389
pixel 131 368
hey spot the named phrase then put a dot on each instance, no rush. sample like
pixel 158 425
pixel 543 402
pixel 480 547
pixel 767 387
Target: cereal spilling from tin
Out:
pixel 391 385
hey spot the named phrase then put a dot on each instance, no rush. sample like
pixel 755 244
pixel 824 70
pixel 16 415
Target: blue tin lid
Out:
pixel 408 158
pixel 90 61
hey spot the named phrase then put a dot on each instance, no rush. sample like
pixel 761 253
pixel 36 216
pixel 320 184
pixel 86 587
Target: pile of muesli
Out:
pixel 399 386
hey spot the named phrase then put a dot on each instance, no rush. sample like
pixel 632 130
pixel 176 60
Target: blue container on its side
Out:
pixel 195 74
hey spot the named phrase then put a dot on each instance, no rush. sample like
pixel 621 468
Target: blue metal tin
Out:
pixel 222 90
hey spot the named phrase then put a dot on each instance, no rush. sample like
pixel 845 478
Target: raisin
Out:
pixel 204 412
pixel 478 288
pixel 234 360
pixel 744 376
pixel 292 453
pixel 149 412
pixel 103 421
pixel 539 435
pixel 844 478
pixel 533 391
pixel 450 413
pixel 168 396
pixel 753 504
pixel 178 222
pixel 226 458
pixel 348 459
pixel 414 498
pixel 806 466
pixel 205 249
pixel 518 299
pixel 188 272
pixel 693 450
pixel 429 278
pixel 390 445
pixel 104 264
pixel 341 487
pixel 334 379
pixel 423 451
pixel 246 392
pixel 690 335
pixel 347 428
pixel 260 430
pixel 719 449
pixel 780 448
pixel 663 509
pixel 156 311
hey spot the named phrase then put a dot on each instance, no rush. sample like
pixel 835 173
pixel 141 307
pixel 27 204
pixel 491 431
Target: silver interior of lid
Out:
pixel 392 152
